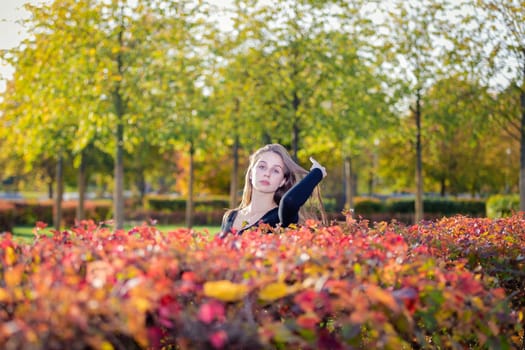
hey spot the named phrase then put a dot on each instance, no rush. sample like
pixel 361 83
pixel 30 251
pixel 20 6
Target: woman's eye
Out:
pixel 276 171
pixel 261 166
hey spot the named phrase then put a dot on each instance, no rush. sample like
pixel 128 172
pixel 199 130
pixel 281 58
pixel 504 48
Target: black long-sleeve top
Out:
pixel 288 210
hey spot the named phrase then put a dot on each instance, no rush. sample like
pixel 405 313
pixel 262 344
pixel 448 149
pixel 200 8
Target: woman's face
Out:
pixel 267 174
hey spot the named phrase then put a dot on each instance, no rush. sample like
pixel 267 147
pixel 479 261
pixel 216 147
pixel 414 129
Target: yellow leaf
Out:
pixel 106 346
pixel 141 304
pixel 225 290
pixel 10 256
pixel 273 291
pixel 476 301
pixel 312 269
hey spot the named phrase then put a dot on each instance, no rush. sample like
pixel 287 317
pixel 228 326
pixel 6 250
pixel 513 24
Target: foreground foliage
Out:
pixel 453 283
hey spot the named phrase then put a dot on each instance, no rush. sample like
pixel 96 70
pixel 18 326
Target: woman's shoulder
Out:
pixel 230 215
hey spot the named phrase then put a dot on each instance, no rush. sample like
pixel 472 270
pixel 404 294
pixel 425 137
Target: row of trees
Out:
pixel 171 91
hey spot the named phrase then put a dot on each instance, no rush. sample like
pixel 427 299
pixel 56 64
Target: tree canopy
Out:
pixel 178 93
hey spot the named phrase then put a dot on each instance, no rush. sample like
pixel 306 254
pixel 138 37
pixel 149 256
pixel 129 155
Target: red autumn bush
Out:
pixel 491 247
pixel 346 286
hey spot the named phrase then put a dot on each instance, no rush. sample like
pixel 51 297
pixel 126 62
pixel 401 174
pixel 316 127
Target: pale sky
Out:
pixel 11 32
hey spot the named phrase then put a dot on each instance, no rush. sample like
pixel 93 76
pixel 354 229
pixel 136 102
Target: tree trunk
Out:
pixel 234 183
pixel 443 185
pixel 295 126
pixel 50 189
pixel 51 176
pixel 59 193
pixel 118 195
pixel 522 142
pixel 419 163
pixel 141 183
pixel 349 188
pixel 82 183
pixel 189 202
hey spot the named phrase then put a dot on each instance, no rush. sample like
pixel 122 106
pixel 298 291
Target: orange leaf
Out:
pixel 375 293
pixel 14 276
pixel 4 295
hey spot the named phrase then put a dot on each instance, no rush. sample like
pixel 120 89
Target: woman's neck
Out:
pixel 261 202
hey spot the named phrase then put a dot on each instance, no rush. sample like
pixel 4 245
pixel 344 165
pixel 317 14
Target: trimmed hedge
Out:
pixel 209 211
pixel 164 217
pixel 7 216
pixel 162 203
pixel 393 207
pixel 29 212
pixel 369 206
pixel 499 205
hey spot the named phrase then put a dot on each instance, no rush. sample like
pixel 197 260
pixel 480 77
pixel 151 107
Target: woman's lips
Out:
pixel 264 182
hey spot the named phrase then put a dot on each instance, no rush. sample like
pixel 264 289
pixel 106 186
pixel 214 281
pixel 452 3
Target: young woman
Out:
pixel 272 194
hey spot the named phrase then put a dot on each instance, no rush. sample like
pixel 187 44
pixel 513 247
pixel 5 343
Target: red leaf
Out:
pixel 210 311
pixel 218 339
pixel 154 337
pixel 306 300
pixel 308 321
pixel 40 225
pixel 409 296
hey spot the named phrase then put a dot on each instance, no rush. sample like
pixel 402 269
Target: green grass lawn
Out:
pixel 25 233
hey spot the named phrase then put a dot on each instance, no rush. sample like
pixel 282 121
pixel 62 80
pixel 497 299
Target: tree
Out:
pixel 457 160
pixel 183 109
pixel 294 68
pixel 352 104
pixel 240 70
pixel 39 119
pixel 503 36
pixel 422 52
pixel 95 69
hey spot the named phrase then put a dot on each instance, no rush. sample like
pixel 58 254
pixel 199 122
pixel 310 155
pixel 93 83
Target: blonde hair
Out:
pixel 293 173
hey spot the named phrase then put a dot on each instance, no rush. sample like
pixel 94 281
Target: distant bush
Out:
pixel 330 205
pixel 29 212
pixel 499 205
pixel 7 216
pixel 402 209
pixel 368 205
pixel 446 207
pixel 164 203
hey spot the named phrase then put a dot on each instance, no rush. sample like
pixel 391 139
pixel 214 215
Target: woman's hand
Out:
pixel 316 165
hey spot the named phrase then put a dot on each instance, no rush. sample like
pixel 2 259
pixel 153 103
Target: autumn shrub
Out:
pixel 345 286
pixel 494 248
